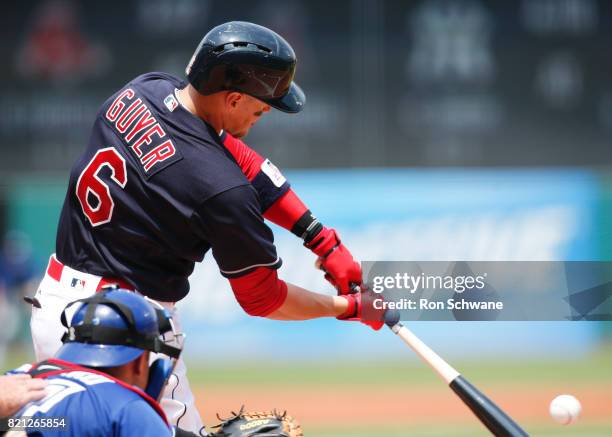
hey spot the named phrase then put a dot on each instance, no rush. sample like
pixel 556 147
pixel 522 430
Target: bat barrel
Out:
pixel 498 422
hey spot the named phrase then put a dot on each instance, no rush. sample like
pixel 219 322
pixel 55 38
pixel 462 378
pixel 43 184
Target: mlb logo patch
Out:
pixel 77 283
pixel 171 102
pixel 273 173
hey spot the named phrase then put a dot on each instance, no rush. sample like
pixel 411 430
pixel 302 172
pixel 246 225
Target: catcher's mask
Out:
pixel 115 326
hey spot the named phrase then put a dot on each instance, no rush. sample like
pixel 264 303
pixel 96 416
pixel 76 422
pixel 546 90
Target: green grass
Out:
pixel 595 369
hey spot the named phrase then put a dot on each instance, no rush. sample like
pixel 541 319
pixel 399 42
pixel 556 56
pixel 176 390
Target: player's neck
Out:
pixel 200 106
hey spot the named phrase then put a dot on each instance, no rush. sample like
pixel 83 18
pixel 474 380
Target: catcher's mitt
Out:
pixel 258 424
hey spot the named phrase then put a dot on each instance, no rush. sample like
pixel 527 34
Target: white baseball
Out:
pixel 565 409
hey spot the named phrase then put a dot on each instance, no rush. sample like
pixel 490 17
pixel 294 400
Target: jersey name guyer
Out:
pixel 141 131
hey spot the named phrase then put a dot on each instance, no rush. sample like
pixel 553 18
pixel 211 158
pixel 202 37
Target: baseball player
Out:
pixel 165 178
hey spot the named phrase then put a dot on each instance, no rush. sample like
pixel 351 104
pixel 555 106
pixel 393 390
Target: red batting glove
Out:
pixel 361 309
pixel 341 270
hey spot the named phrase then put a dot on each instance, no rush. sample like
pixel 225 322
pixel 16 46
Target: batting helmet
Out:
pixel 250 59
pixel 114 327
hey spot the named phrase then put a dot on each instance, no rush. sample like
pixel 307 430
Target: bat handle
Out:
pixel 446 372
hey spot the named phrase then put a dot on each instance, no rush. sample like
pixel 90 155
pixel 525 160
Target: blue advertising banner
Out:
pixel 424 215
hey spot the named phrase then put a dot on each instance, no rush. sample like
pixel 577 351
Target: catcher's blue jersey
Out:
pixel 154 190
pixel 93 405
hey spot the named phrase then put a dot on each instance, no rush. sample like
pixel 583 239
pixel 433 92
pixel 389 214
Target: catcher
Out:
pixel 100 382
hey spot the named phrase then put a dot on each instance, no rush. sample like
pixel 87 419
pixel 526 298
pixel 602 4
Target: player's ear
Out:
pixel 233 99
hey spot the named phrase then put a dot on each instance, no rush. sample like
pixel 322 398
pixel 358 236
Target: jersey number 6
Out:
pixel 90 185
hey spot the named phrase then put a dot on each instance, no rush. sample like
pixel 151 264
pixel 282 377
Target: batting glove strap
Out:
pixel 321 240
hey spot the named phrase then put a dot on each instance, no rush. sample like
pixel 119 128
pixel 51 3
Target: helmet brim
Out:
pixel 98 355
pixel 292 102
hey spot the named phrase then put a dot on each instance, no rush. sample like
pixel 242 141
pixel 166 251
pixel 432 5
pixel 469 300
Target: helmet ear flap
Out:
pixel 159 372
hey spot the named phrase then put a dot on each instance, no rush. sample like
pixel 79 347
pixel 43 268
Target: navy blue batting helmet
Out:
pixel 114 327
pixel 248 58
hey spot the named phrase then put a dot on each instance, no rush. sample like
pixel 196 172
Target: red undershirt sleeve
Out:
pixel 278 201
pixel 286 211
pixel 267 180
pixel 247 159
pixel 259 292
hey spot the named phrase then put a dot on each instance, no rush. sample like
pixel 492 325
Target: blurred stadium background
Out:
pixel 434 130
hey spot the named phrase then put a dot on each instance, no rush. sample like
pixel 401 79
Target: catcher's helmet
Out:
pixel 114 327
pixel 250 59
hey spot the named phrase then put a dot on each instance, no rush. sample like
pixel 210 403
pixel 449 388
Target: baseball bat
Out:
pixel 491 416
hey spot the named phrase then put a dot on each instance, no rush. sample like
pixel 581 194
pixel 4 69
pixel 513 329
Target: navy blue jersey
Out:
pixel 154 190
pixel 93 405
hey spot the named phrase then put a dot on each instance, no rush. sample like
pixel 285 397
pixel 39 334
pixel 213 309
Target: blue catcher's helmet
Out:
pixel 114 327
pixel 250 59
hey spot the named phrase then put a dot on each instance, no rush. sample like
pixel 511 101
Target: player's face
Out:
pixel 244 112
